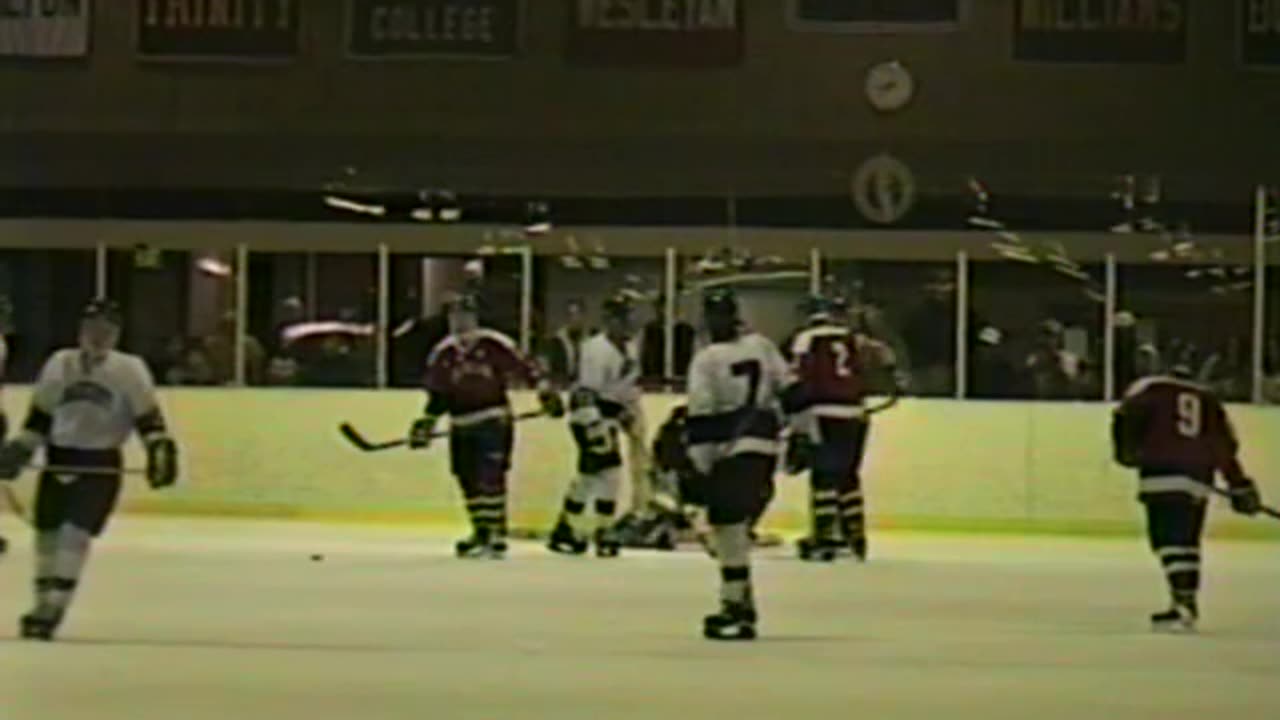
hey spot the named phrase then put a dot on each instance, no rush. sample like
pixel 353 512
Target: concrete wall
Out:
pixel 932 464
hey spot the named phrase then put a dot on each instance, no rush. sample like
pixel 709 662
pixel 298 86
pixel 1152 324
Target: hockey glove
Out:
pixel 162 462
pixel 14 456
pixel 551 402
pixel 421 431
pixel 1245 498
pixel 799 453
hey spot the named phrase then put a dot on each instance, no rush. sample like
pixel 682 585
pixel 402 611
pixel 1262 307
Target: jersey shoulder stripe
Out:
pixel 498 337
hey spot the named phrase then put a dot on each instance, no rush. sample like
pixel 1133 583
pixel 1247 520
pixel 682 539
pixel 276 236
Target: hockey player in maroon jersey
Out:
pixel 1178 437
pixel 467 377
pixel 832 361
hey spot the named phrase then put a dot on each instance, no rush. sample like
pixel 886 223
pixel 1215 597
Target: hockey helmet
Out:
pixel 720 303
pixel 103 309
pixel 462 302
pixel 618 306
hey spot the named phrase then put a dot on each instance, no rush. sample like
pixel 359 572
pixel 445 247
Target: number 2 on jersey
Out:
pixel 842 359
pixel 1189 415
pixel 751 369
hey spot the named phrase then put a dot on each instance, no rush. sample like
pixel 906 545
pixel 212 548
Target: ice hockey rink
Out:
pixel 197 619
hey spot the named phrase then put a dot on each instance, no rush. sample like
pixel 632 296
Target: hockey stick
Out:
pixel 1264 510
pixel 363 444
pixel 16 505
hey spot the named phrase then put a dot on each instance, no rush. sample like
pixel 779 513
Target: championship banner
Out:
pixel 1260 32
pixel 44 28
pixel 875 16
pixel 245 30
pixel 1101 31
pixel 390 29
pixel 655 33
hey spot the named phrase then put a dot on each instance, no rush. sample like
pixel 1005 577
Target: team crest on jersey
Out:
pixel 87 392
pixel 471 369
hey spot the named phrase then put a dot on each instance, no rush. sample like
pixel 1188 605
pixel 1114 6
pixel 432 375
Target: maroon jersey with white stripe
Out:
pixel 829 365
pixel 1169 426
pixel 473 372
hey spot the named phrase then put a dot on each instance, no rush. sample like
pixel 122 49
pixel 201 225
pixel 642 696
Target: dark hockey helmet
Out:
pixel 462 302
pixel 720 303
pixel 816 307
pixel 1185 361
pixel 618 306
pixel 103 309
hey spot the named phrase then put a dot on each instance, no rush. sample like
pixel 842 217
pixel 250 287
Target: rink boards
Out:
pixel 932 464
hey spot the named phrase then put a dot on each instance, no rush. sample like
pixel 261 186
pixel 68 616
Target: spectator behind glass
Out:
pixel 221 349
pixel 1052 372
pixel 929 336
pixel 560 351
pixel 194 367
pixel 169 358
pixel 992 373
pixel 336 365
pixel 653 344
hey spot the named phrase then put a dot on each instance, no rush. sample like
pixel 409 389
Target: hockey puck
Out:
pixel 317 557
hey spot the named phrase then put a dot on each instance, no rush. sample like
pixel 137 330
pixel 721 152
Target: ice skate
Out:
pixel 1181 618
pixel 496 549
pixel 812 550
pixel 859 547
pixel 35 626
pixel 735 621
pixel 472 547
pixel 607 545
pixel 564 541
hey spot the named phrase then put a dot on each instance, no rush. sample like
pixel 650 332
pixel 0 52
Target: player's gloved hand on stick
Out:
pixel 1245 498
pixel 420 432
pixel 799 453
pixel 162 462
pixel 14 456
pixel 551 402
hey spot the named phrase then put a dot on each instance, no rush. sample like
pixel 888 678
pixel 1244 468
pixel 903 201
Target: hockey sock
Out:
pixel 605 510
pixel 490 515
pixel 853 514
pixel 733 549
pixel 823 504
pixel 477 511
pixel 1182 569
pixel 46 564
pixel 68 563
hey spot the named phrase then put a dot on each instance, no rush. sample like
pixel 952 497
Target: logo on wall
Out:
pixel 884 189
pixel 249 30
pixel 389 29
pixel 640 33
pixel 44 28
pixel 1068 31
pixel 1260 32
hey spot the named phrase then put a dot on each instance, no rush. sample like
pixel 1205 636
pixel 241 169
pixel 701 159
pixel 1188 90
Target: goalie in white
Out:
pixel 739 388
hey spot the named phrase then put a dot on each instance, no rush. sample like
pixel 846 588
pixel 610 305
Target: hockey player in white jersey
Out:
pixel 602 403
pixel 86 403
pixel 739 388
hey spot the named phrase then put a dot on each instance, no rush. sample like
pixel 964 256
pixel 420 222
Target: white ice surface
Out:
pixel 212 620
